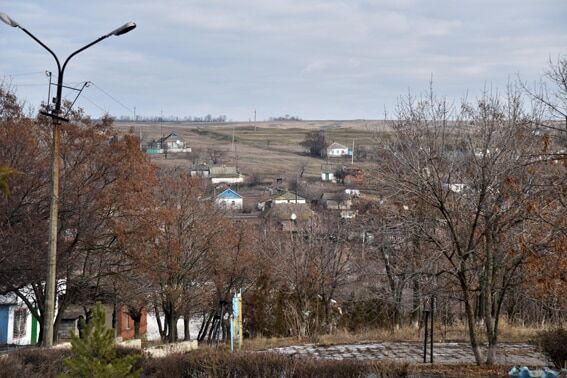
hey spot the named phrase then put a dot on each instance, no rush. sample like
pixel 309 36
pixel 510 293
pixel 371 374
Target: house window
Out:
pixel 233 203
pixel 20 317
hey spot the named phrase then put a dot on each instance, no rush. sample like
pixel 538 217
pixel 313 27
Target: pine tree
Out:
pixel 94 355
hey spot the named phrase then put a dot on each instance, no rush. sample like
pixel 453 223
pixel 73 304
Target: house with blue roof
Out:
pixel 229 199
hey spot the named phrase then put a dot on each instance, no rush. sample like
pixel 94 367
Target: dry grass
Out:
pixel 455 333
pixel 272 149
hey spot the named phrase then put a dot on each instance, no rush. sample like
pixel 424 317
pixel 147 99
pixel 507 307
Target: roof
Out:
pixel 171 135
pixel 8 299
pixel 229 194
pixel 288 196
pixel 224 172
pixel 333 196
pixel 200 167
pixel 283 212
pixel 336 145
pixel 328 168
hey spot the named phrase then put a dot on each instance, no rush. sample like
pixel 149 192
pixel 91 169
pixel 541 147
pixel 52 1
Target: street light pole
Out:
pixel 50 289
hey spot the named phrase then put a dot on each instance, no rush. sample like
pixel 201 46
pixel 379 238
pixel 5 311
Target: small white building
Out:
pixel 17 325
pixel 337 150
pixel 328 173
pixel 229 199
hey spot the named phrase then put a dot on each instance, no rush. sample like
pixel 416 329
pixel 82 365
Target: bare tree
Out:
pixel 467 167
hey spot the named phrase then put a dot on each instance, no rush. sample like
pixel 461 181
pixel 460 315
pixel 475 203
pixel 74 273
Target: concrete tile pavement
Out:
pixel 443 353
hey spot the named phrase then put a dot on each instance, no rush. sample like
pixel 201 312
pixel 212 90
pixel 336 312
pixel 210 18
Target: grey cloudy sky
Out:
pixel 316 59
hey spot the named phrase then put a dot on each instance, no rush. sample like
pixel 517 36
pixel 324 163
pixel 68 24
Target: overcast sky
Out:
pixel 316 59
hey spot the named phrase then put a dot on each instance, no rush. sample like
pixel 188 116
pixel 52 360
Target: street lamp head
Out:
pixel 123 29
pixel 8 20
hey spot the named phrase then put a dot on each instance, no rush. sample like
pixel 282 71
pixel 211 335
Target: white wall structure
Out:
pixel 227 175
pixel 288 197
pixel 153 330
pixel 337 150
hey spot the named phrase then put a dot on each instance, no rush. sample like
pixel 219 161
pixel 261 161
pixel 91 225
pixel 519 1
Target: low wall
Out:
pixel 165 349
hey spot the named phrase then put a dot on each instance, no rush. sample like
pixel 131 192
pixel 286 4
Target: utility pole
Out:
pixel 55 115
pixel 161 122
pixel 254 120
pixel 352 154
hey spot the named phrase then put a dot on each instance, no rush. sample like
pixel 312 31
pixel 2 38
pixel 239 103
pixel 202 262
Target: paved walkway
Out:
pixel 444 353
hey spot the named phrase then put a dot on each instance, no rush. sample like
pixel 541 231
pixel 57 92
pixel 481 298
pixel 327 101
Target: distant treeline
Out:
pixel 286 117
pixel 197 119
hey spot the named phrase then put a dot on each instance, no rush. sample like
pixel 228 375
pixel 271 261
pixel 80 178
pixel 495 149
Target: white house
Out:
pixel 287 197
pixel 229 199
pixel 17 325
pixel 327 172
pixel 337 150
pixel 227 175
pixel 169 143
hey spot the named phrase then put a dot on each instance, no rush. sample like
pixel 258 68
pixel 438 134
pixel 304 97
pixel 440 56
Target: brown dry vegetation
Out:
pixel 454 333
pixel 218 363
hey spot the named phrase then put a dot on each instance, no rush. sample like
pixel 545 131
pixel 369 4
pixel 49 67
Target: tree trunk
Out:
pixel 162 332
pixel 205 327
pixel 415 313
pixel 186 335
pixel 136 328
pixel 491 352
pixel 471 323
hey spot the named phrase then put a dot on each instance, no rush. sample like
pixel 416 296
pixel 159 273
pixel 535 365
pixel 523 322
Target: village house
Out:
pixel 338 150
pixel 69 323
pixel 17 325
pixel 292 217
pixel 169 143
pixel 229 199
pixel 338 201
pixel 226 175
pixel 200 170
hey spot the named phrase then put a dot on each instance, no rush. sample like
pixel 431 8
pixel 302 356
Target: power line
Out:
pixel 94 103
pixel 113 98
pixel 27 73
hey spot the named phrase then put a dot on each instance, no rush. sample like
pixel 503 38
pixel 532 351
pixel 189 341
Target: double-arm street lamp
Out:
pixel 49 314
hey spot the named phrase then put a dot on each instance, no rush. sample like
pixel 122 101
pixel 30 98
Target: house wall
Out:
pixel 199 173
pixel 327 176
pixel 338 205
pixel 126 324
pixel 7 318
pixel 227 180
pixel 338 152
pixel 230 203
pixel 299 200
